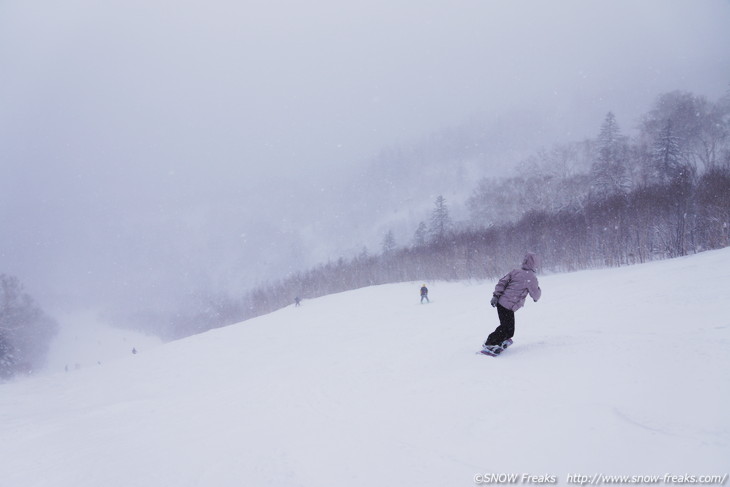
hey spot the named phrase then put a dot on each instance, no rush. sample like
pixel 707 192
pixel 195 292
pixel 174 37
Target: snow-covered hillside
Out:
pixel 621 371
pixel 85 340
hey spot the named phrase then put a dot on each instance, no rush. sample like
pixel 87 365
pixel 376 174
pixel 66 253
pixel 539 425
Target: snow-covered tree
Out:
pixel 666 156
pixel 701 128
pixel 441 223
pixel 25 330
pixel 419 236
pixel 389 244
pixel 609 172
pixel 7 357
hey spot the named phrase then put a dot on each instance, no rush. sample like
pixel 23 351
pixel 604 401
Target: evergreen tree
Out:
pixel 364 254
pixel 609 172
pixel 701 128
pixel 25 330
pixel 389 244
pixel 666 156
pixel 7 357
pixel 419 237
pixel 441 223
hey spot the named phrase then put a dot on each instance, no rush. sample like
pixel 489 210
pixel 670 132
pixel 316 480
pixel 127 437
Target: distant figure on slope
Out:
pixel 297 301
pixel 424 294
pixel 509 296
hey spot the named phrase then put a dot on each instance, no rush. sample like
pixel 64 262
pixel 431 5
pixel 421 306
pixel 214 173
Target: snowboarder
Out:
pixel 509 296
pixel 424 294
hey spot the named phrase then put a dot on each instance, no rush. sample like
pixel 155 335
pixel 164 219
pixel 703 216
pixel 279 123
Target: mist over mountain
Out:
pixel 154 154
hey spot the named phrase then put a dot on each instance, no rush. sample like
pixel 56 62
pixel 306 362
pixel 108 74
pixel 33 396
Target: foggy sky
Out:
pixel 156 146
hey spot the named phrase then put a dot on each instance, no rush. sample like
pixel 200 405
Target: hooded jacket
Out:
pixel 513 288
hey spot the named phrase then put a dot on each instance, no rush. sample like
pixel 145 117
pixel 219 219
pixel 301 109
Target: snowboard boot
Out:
pixel 506 343
pixel 492 349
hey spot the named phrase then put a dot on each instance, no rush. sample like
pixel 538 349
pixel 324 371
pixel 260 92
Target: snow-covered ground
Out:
pixel 85 340
pixel 616 372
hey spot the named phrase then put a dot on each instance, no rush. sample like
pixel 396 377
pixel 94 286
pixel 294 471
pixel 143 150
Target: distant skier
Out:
pixel 297 301
pixel 424 294
pixel 509 296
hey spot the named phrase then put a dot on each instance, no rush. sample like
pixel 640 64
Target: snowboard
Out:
pixel 496 352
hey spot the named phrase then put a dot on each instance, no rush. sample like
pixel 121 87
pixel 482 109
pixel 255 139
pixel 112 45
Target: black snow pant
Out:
pixel 506 328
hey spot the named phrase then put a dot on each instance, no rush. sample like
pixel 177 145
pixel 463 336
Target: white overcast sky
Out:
pixel 118 112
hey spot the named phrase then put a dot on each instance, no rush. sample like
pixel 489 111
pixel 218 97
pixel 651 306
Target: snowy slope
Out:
pixel 621 371
pixel 85 340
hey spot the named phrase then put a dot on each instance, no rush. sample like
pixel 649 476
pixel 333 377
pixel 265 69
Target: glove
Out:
pixel 494 301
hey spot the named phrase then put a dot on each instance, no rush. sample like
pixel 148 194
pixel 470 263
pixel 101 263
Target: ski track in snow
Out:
pixel 617 371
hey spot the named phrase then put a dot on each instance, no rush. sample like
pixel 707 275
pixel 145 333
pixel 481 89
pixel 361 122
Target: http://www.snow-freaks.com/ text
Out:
pixel 598 479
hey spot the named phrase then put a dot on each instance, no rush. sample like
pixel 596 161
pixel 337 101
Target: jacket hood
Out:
pixel 531 262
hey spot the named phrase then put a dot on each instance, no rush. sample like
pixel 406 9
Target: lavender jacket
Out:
pixel 513 288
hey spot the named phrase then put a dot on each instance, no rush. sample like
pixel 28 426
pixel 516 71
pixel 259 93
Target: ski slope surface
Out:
pixel 613 372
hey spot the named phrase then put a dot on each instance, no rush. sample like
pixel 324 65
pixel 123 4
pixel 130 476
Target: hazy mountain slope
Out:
pixel 621 371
